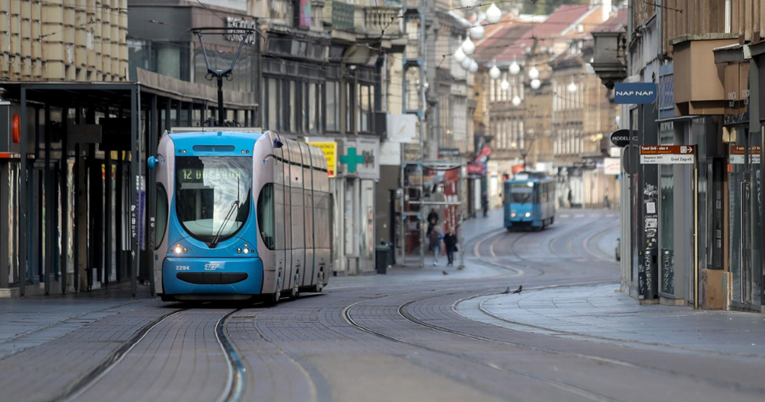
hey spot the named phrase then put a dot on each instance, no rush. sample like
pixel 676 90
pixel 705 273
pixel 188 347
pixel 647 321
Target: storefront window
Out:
pixel 166 58
pixel 666 216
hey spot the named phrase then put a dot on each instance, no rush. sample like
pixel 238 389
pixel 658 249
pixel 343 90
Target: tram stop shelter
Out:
pixel 76 203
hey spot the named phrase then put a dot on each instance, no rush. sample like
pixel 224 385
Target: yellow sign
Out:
pixel 330 153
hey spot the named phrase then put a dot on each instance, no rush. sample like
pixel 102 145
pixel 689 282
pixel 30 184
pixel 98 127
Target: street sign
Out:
pixel 453 152
pixel 737 153
pixel 621 138
pixel 476 168
pixel 330 154
pixel 634 93
pixel 667 155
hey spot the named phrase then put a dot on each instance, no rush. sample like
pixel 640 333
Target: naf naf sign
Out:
pixel 634 93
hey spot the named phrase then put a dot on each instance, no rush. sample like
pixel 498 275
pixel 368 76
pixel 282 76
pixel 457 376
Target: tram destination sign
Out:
pixel 737 153
pixel 667 155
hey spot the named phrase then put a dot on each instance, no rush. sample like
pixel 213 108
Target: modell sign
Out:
pixel 634 93
pixel 667 155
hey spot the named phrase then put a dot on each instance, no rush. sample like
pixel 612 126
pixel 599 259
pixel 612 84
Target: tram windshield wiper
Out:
pixel 230 213
pixel 234 206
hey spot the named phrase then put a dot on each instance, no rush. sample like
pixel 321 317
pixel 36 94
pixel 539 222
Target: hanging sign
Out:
pixel 737 153
pixel 634 93
pixel 621 138
pixel 667 155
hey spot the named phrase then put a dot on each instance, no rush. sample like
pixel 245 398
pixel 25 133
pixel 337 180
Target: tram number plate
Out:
pixel 182 268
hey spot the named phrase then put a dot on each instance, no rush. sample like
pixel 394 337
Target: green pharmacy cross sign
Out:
pixel 352 159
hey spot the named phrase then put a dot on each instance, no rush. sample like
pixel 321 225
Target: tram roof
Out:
pixel 215 143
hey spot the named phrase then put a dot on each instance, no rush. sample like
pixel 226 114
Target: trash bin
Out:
pixel 383 259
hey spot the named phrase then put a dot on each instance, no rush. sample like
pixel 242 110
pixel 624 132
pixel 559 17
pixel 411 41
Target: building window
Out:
pixel 273 102
pixel 349 113
pixel 363 111
pixel 291 123
pixel 333 106
pixel 312 105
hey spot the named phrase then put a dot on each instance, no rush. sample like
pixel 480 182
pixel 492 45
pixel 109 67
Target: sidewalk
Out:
pixel 32 321
pixel 602 314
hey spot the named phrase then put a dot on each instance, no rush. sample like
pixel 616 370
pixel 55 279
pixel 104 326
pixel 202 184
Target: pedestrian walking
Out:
pixel 485 203
pixel 450 241
pixel 569 198
pixel 435 243
pixel 432 220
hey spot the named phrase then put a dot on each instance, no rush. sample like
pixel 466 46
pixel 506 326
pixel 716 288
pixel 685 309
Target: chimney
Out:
pixel 605 9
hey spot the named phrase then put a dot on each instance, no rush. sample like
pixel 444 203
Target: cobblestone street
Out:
pixel 414 334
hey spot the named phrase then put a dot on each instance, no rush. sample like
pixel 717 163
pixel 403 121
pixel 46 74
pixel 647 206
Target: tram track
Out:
pixel 403 311
pixel 562 385
pixel 233 388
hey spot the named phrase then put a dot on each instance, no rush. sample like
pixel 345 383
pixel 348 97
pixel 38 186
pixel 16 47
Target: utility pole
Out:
pixel 423 121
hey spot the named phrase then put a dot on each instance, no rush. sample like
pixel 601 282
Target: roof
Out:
pixel 559 23
pixel 616 23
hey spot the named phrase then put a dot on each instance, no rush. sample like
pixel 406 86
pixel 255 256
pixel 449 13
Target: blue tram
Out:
pixel 529 201
pixel 241 215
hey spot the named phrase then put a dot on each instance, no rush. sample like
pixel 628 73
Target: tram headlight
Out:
pixel 178 249
pixel 512 215
pixel 528 214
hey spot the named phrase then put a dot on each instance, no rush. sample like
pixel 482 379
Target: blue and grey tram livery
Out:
pixel 241 215
pixel 529 201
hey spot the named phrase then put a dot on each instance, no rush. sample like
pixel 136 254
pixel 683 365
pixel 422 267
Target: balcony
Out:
pixel 369 22
pixel 381 21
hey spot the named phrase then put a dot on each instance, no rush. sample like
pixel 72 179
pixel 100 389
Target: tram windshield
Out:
pixel 520 193
pixel 213 195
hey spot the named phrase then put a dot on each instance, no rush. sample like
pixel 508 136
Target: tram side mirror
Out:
pixel 152 162
pixel 278 143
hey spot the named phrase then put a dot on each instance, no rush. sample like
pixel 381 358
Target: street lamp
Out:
pixel 494 72
pixel 535 84
pixel 533 73
pixel 459 55
pixel 466 63
pixel 504 84
pixel 493 14
pixel 473 66
pixel 515 68
pixel 516 100
pixel 476 32
pixel 572 87
pixel 468 46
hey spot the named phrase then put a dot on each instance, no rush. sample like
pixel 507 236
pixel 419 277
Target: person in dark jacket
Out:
pixel 432 220
pixel 485 203
pixel 450 241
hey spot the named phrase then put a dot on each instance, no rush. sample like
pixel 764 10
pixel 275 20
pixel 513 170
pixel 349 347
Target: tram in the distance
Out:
pixel 529 201
pixel 241 215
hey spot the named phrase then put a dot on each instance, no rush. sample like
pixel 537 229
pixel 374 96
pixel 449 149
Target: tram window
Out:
pixel 213 195
pixel 161 216
pixel 265 213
